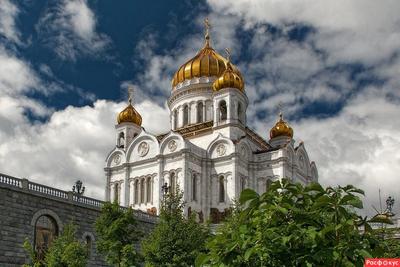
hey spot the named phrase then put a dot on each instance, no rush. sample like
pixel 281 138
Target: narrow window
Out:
pixel 194 187
pixel 121 140
pixel 185 115
pixel 142 183
pixel 148 188
pixel 116 193
pixel 239 112
pixel 136 191
pixel 268 184
pixel 243 180
pixel 222 110
pixel 221 189
pixel 88 245
pixel 200 112
pixel 172 182
pixel 46 231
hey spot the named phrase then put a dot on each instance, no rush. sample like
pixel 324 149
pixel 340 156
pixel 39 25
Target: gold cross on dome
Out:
pixel 207 35
pixel 207 24
pixel 131 90
pixel 280 108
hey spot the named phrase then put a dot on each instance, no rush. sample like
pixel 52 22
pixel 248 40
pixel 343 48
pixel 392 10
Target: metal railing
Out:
pixel 27 185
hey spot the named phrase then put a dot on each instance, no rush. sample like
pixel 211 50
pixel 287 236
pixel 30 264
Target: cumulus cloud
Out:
pixel 8 14
pixel 358 146
pixel 70 28
pixel 71 145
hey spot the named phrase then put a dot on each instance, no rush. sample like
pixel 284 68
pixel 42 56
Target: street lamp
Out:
pixel 78 189
pixel 389 206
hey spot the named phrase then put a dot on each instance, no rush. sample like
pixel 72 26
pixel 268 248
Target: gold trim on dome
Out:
pixel 281 128
pixel 206 63
pixel 129 114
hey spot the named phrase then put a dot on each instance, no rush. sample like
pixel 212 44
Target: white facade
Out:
pixel 209 153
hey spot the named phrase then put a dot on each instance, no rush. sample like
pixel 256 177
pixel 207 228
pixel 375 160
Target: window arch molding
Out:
pixel 49 213
pixel 84 239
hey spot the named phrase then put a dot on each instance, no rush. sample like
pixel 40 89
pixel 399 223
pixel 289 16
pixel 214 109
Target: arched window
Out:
pixel 200 112
pixel 142 183
pixel 239 112
pixel 88 245
pixel 222 110
pixel 221 189
pixel 136 191
pixel 243 183
pixel 268 184
pixel 194 187
pixel 116 193
pixel 185 115
pixel 46 230
pixel 172 182
pixel 121 140
pixel 148 188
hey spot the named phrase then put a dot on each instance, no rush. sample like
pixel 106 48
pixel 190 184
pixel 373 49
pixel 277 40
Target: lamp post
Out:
pixel 389 206
pixel 165 189
pixel 78 189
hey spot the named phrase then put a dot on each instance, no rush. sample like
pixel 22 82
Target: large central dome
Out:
pixel 206 63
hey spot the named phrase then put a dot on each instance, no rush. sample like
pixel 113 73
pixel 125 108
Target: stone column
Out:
pixel 108 188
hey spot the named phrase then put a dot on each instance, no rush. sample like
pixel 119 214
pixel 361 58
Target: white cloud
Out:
pixel 358 30
pixel 359 146
pixel 72 145
pixel 8 14
pixel 70 27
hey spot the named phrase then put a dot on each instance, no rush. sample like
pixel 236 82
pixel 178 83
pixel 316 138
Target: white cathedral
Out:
pixel 210 154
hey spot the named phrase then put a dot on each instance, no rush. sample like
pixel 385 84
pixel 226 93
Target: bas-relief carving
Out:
pixel 117 159
pixel 143 149
pixel 172 145
pixel 221 150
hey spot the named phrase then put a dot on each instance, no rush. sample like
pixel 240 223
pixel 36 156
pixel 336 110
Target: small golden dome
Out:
pixel 129 114
pixel 229 78
pixel 206 63
pixel 281 128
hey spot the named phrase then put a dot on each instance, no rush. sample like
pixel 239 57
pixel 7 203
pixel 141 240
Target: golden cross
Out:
pixel 228 54
pixel 207 23
pixel 280 108
pixel 131 90
pixel 208 26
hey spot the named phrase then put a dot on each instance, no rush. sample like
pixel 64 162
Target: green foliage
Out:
pixel 117 233
pixel 35 261
pixel 293 225
pixel 65 251
pixel 175 241
pixel 391 245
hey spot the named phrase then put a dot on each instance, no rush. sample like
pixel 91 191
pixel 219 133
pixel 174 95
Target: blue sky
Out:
pixel 65 67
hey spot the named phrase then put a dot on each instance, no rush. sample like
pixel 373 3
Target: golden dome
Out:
pixel 206 63
pixel 281 128
pixel 129 114
pixel 229 78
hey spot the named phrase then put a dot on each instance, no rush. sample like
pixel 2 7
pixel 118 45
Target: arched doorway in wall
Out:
pixel 46 230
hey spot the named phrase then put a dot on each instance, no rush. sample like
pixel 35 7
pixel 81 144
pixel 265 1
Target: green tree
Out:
pixel 293 225
pixel 176 241
pixel 65 251
pixel 117 235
